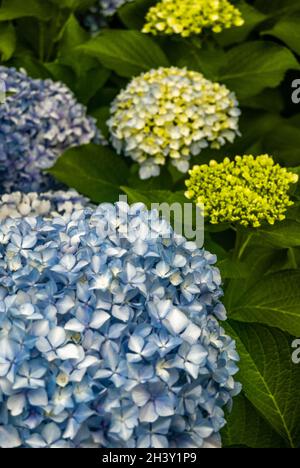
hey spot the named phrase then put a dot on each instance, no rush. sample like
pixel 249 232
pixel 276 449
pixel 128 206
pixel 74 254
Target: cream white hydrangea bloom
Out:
pixel 47 205
pixel 171 113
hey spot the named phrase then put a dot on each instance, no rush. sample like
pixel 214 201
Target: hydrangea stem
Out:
pixel 243 238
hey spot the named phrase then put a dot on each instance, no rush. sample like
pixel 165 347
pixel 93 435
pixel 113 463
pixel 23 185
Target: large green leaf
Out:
pixel 254 66
pixel 207 60
pixel 284 143
pixel 274 300
pixel 270 379
pixel 13 9
pixel 154 196
pixel 287 29
pixel 74 4
pixel 277 7
pixel 232 269
pixel 133 14
pixel 73 35
pixel 7 41
pixel 93 170
pixel 270 99
pixel 90 75
pixel 246 427
pixel 252 17
pixel 128 53
pixel 285 234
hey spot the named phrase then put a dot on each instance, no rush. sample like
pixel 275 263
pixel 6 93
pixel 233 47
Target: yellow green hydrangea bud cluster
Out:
pixel 171 113
pixel 189 17
pixel 247 191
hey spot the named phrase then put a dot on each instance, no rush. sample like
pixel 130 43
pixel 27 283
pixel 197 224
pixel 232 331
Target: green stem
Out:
pixel 56 28
pixel 243 238
pixel 293 259
pixel 196 42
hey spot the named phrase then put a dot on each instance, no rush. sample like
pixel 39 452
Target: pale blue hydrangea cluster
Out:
pixel 49 204
pixel 109 334
pixel 39 120
pixel 98 13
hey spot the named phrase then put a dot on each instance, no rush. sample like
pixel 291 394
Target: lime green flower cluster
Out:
pixel 189 17
pixel 171 113
pixel 247 191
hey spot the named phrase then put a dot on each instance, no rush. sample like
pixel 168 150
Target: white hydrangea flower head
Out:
pixel 172 113
pixel 48 205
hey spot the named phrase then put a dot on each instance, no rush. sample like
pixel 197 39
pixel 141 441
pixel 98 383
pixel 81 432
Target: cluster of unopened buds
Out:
pixel 248 190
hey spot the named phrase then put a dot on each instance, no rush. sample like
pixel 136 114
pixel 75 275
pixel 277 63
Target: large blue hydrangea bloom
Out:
pixel 109 334
pixel 39 120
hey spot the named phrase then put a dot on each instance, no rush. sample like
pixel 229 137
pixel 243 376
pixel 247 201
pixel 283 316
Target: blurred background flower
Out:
pixel 186 18
pixel 39 120
pixel 99 13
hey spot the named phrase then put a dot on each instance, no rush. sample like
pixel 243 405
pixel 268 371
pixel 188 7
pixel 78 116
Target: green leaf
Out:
pixel 232 268
pixel 213 246
pixel 102 115
pixel 133 14
pixel 128 53
pixel 13 9
pixel 154 196
pixel 95 171
pixel 62 73
pixel 33 67
pixel 8 41
pixel 270 379
pixel 285 234
pixel 283 142
pixel 246 427
pixel 73 35
pixel 74 4
pixel 254 66
pixel 269 99
pixel 274 300
pixel 90 75
pixel 277 7
pixel 162 182
pixel 287 30
pixel 252 17
pixel 207 60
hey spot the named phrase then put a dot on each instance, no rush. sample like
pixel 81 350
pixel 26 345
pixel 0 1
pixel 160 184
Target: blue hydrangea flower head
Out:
pixel 110 334
pixel 99 13
pixel 39 120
